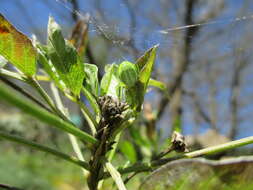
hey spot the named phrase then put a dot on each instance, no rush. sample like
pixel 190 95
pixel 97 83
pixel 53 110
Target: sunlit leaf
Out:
pixel 128 150
pixel 17 48
pixel 91 78
pixel 128 73
pixel 145 65
pixel 64 58
pixel 48 66
pixel 232 173
pixel 157 84
pixel 110 81
pixel 135 94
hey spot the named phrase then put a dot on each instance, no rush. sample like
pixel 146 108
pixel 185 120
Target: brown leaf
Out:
pixel 17 48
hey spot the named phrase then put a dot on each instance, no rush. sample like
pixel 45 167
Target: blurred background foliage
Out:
pixel 206 65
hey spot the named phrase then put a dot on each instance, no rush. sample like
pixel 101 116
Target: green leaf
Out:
pixel 157 84
pixel 92 100
pixel 128 73
pixel 55 36
pixel 135 94
pixel 64 58
pixel 91 78
pixel 145 65
pixel 129 151
pixel 17 48
pixel 48 66
pixel 110 81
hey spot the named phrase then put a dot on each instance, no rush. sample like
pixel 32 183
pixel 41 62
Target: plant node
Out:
pixel 178 142
pixel 112 114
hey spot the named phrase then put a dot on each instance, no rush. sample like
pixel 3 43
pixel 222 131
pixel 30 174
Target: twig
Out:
pixel 131 42
pixel 75 8
pixel 130 177
pixel 162 154
pixel 182 66
pixel 197 105
pixel 142 167
pixel 89 53
pixel 239 65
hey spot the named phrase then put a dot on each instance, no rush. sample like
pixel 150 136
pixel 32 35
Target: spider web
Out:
pixel 218 37
pixel 106 30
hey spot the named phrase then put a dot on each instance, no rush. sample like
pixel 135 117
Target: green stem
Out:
pixel 44 95
pixel 91 99
pixel 89 117
pixel 141 167
pixel 115 176
pixel 111 154
pixel 27 106
pixel 44 149
pixel 72 138
pixel 114 147
pixel 220 148
pixel 11 74
pixel 23 92
pixel 91 120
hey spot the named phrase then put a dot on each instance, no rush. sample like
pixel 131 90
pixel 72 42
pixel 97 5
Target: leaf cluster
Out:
pixel 116 100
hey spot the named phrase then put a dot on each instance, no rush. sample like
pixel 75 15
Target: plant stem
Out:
pixel 44 95
pixel 111 155
pixel 89 117
pixel 141 167
pixel 115 176
pixel 130 177
pixel 11 74
pixel 72 138
pixel 22 91
pixel 27 106
pixel 92 100
pixel 114 147
pixel 162 154
pixel 44 149
pixel 220 148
